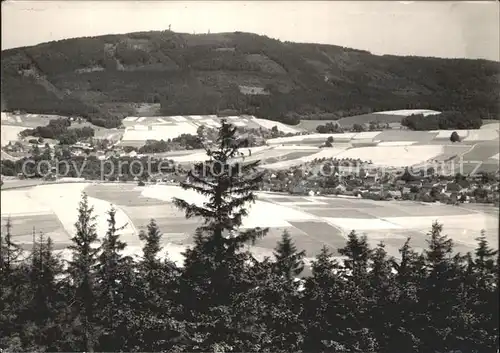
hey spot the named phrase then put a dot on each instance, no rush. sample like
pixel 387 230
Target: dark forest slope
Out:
pixel 247 73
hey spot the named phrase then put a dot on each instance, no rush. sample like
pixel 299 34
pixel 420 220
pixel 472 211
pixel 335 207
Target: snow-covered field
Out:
pixel 10 133
pixel 388 221
pixel 269 124
pixel 482 135
pixel 171 251
pixel 348 224
pixel 396 156
pixel 18 202
pixel 445 134
pixel 61 200
pixel 397 143
pixel 258 215
pixel 407 112
pixel 295 148
pixel 493 126
pixel 250 154
pixel 320 137
pixel 193 157
pixel 463 228
pixel 323 153
pixel 157 132
pixel 368 135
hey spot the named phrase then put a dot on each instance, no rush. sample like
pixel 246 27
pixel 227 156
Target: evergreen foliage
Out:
pixel 225 300
pixel 98 78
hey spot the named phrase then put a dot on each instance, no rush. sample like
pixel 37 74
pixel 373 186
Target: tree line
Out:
pixel 445 121
pixel 224 300
pixel 59 129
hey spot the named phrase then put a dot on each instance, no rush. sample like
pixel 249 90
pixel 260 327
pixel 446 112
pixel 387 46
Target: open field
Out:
pixel 288 162
pixel 482 151
pixel 397 156
pixel 312 221
pixel 392 153
pixel 445 134
pixel 384 148
pixel 10 133
pixel 265 154
pixel 405 135
pixel 481 156
pixel 491 124
pixel 27 120
pixel 268 124
pixel 450 152
pixel 385 117
pixel 482 135
pixel 12 125
pixel 422 137
pixel 140 129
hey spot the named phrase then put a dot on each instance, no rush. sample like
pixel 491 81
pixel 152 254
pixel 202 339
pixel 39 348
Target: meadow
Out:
pixel 312 221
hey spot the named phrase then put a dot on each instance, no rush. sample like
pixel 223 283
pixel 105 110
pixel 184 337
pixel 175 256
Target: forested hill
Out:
pixel 101 77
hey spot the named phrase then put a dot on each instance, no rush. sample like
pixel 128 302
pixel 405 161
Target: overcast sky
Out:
pixel 442 29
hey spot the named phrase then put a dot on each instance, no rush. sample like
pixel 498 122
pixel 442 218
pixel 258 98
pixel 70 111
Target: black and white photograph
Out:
pixel 250 176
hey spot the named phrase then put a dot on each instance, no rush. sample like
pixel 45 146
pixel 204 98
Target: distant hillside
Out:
pixel 106 78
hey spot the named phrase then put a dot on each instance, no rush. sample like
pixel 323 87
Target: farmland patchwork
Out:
pixel 313 221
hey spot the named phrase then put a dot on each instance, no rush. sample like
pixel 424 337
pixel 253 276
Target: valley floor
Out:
pixel 313 222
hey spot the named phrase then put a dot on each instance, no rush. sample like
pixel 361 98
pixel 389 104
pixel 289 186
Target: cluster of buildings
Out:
pixel 383 185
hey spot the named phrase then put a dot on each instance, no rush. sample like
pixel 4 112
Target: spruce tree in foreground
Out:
pixel 282 299
pixel 81 269
pixel 228 188
pixel 46 301
pixel 214 271
pixel 484 293
pixel 156 313
pixel 9 251
pixel 357 254
pixel 444 279
pixel 152 247
pixel 113 282
pixel 324 311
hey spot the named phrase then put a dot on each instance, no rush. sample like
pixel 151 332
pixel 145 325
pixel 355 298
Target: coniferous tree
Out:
pixel 81 270
pixel 324 315
pixel 382 293
pixel 9 251
pixel 410 274
pixel 12 290
pixel 357 254
pixel 439 291
pixel 113 283
pixel 155 313
pixel 282 297
pixel 46 300
pixel 289 262
pixel 269 314
pixel 484 262
pixel 483 293
pixel 216 257
pixel 152 246
pixel 228 186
